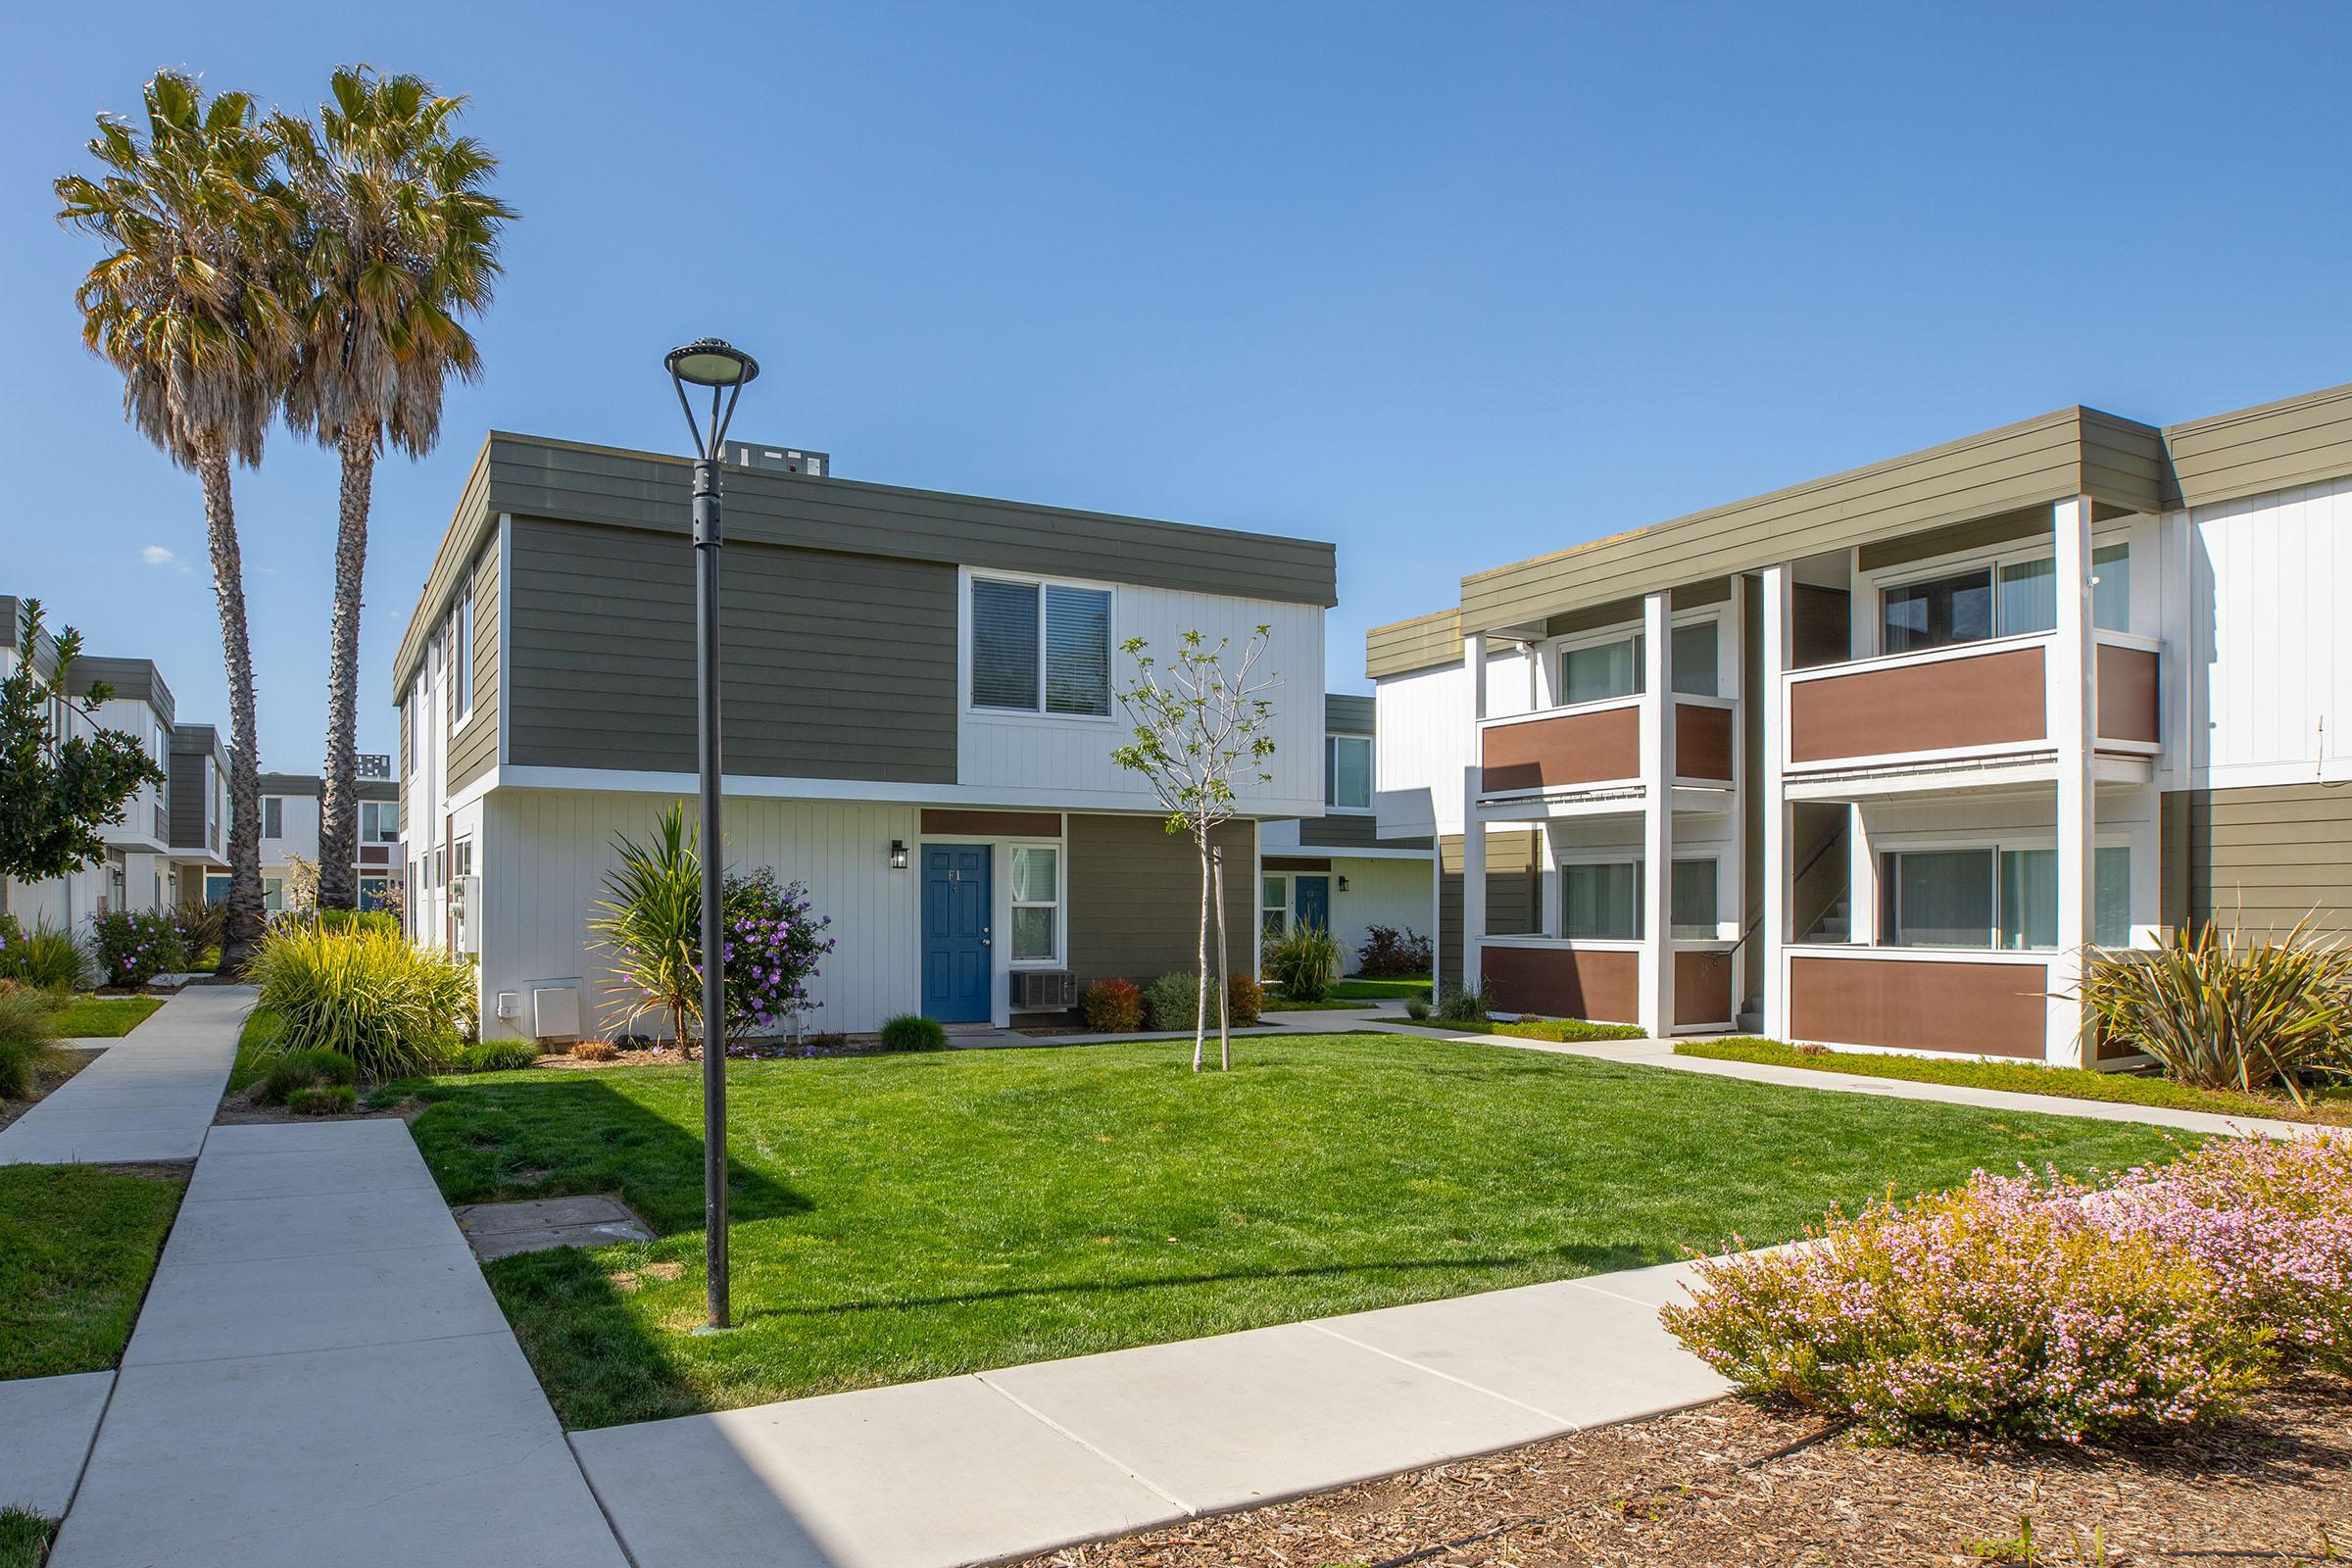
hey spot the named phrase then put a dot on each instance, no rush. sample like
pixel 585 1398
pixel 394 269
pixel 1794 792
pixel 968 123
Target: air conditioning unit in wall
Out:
pixel 1044 990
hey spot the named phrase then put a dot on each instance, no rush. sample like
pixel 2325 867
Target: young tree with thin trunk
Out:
pixel 1196 730
pixel 397 241
pixel 185 303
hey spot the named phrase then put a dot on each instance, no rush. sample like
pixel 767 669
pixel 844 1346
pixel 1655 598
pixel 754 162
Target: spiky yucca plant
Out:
pixel 28 1037
pixel 393 1008
pixel 650 921
pixel 2222 1011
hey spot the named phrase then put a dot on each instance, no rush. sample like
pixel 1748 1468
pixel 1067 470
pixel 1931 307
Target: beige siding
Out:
pixel 469 526
pixel 1514 894
pixel 838 667
pixel 1422 643
pixel 2263 859
pixel 2072 452
pixel 473 750
pixel 2274 446
pixel 1134 899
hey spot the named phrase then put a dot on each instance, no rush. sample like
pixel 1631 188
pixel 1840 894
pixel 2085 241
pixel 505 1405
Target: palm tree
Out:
pixel 185 305
pixel 398 241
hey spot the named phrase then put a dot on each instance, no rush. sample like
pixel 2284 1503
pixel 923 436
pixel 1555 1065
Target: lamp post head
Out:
pixel 711 361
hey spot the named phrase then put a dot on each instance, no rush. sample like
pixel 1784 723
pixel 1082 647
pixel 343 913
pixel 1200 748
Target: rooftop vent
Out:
pixel 783 460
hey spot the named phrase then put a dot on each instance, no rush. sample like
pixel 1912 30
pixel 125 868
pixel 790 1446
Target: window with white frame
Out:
pixel 1693 652
pixel 380 821
pixel 1600 900
pixel 274 816
pixel 1036 903
pixel 1348 773
pixel 1996 897
pixel 1041 648
pixel 1612 666
pixel 2014 597
pixel 461 660
pixel 1274 905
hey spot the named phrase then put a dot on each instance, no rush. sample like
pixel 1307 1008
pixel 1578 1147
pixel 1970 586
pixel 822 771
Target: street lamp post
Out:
pixel 710 361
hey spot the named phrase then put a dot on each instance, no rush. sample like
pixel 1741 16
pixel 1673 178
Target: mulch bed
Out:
pixel 1735 1485
pixel 45 1080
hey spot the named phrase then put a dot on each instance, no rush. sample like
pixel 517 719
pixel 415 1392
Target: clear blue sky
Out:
pixel 1448 285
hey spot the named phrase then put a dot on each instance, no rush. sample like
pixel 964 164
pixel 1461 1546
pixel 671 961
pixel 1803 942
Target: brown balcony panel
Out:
pixel 1559 753
pixel 2128 695
pixel 1599 984
pixel 1702 988
pixel 1702 741
pixel 1991 699
pixel 1919 1004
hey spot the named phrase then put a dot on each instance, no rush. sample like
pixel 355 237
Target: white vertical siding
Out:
pixel 542 855
pixel 1421 743
pixel 1389 892
pixel 2256 589
pixel 1066 763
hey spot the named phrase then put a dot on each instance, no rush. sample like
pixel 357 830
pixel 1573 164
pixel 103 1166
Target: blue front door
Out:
pixel 1314 902
pixel 957 973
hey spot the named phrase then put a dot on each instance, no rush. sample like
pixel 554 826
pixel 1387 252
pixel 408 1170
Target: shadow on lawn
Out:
pixel 558 1134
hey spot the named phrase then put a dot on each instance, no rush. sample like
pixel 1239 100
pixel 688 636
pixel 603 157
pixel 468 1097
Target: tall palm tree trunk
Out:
pixel 243 931
pixel 339 809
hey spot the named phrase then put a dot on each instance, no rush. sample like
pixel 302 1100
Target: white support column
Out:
pixel 1656 1000
pixel 1774 641
pixel 2147 867
pixel 2073 715
pixel 1474 827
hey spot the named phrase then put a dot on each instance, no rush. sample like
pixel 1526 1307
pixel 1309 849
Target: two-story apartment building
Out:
pixel 1335 870
pixel 139 871
pixel 1909 739
pixel 292 809
pixel 199 817
pixel 919 713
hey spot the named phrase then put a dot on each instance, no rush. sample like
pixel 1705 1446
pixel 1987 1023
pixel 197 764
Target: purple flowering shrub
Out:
pixel 774 942
pixel 2040 1308
pixel 133 947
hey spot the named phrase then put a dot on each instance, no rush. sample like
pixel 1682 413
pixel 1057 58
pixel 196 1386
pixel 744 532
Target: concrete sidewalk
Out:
pixel 1660 1053
pixel 320 1375
pixel 150 1095
pixel 973 1469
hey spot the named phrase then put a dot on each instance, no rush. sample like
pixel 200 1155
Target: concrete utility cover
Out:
pixel 502 1230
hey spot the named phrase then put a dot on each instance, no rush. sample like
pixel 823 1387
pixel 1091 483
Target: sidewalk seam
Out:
pixel 1099 1452
pixel 1423 1366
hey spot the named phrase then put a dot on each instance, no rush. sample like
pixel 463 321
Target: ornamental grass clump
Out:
pixel 393 1008
pixel 2005 1309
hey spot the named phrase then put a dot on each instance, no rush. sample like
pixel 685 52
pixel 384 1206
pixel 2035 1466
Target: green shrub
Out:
pixel 1458 1006
pixel 324 1100
pixel 2224 1012
pixel 392 1008
pixel 1391 954
pixel 1304 961
pixel 28 1037
pixel 1244 997
pixel 201 926
pixel 1113 1006
pixel 1416 1007
pixel 355 920
pixel 133 947
pixel 43 957
pixel 1174 1002
pixel 496 1055
pixel 304 1069
pixel 910 1031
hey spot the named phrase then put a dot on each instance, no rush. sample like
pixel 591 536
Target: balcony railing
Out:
pixel 1706 740
pixel 1601 981
pixel 1908 998
pixel 1973 700
pixel 1562 748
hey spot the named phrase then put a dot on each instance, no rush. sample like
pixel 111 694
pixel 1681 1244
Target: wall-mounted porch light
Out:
pixel 1343 884
pixel 897 854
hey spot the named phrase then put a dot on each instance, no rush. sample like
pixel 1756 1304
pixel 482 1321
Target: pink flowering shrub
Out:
pixel 2041 1308
pixel 774 942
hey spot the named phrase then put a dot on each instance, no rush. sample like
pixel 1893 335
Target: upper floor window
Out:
pixel 2007 599
pixel 1348 771
pixel 1041 646
pixel 1595 672
pixel 461 660
pixel 380 821
pixel 274 816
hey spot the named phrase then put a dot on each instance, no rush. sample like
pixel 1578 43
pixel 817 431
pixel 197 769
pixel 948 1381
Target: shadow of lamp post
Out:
pixel 710 363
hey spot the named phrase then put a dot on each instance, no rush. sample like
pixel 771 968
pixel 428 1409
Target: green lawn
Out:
pixel 24 1539
pixel 1554 1029
pixel 256 1043
pixel 78 1245
pixel 103 1017
pixel 2023 1078
pixel 910 1216
pixel 1401 989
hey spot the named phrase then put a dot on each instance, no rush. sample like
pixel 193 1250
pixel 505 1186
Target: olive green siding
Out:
pixel 2273 446
pixel 1134 899
pixel 134 678
pixel 2073 451
pixel 1351 832
pixel 469 529
pixel 1514 894
pixel 1347 715
pixel 191 745
pixel 839 666
pixel 473 750
pixel 1422 643
pixel 2260 859
pixel 1984 533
